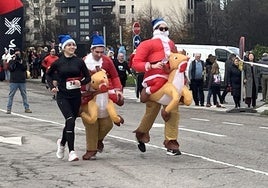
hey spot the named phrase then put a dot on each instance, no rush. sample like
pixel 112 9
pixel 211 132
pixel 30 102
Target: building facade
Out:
pixel 45 19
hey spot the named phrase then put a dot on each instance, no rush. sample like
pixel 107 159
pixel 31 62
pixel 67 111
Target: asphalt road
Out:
pixel 219 149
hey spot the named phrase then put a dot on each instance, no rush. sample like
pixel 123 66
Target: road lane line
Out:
pixel 158 147
pixel 202 132
pixel 198 119
pixel 263 127
pixel 198 156
pixel 157 125
pixel 230 123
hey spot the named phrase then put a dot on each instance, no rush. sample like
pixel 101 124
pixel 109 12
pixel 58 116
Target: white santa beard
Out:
pixel 163 36
pixel 91 63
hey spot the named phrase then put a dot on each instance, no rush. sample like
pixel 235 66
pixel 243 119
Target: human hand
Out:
pixel 158 65
pixel 54 90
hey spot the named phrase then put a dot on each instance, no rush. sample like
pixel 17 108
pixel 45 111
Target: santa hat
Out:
pixel 65 39
pixel 97 41
pixel 156 22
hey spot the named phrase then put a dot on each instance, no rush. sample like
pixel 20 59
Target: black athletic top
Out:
pixel 64 70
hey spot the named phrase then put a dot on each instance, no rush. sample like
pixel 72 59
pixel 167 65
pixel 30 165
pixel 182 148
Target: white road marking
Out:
pixel 158 147
pixel 263 127
pixel 202 132
pixel 230 123
pixel 11 140
pixel 156 125
pixel 198 119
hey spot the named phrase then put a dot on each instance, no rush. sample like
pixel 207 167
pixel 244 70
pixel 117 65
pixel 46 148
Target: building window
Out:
pixel 190 4
pixel 48 11
pixel 122 21
pixel 84 26
pixel 73 34
pixel 71 10
pixel 84 1
pixel 37 36
pixel 48 23
pixel 132 9
pixel 84 33
pixel 36 23
pixel 96 21
pixel 36 11
pixel 83 20
pixel 84 7
pixel 122 9
pixel 84 13
pixel 71 22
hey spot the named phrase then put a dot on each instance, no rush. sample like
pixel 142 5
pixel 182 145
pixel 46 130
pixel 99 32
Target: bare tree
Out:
pixel 42 21
pixel 179 29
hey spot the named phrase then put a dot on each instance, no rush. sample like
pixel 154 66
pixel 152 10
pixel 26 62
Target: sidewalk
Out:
pixel 129 93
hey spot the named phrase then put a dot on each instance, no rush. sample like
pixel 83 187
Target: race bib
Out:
pixel 71 85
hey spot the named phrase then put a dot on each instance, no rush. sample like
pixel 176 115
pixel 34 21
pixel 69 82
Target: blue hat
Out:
pixel 65 39
pixel 156 22
pixel 97 41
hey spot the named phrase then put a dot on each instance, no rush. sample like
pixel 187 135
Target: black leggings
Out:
pixel 237 100
pixel 69 108
pixel 139 87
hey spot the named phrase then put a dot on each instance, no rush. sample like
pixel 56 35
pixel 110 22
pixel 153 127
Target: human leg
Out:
pixel 139 84
pixel 105 126
pixel 208 97
pixel 22 88
pixel 12 91
pixel 142 132
pixel 195 92
pixel 171 133
pixel 69 109
pixel 201 92
pixel 264 88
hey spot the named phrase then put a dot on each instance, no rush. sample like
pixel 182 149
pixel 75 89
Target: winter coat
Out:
pixel 234 80
pixel 264 70
pixel 251 76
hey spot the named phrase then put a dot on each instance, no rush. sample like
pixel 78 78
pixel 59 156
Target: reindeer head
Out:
pixel 178 61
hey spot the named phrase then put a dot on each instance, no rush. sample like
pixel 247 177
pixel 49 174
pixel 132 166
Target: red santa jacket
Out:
pixel 151 51
pixel 114 81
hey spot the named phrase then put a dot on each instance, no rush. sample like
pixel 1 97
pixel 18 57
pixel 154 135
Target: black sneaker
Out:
pixel 141 146
pixel 173 152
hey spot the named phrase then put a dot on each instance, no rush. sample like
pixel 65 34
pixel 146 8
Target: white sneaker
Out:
pixel 60 150
pixel 73 156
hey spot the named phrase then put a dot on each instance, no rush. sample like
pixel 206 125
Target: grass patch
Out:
pixel 130 81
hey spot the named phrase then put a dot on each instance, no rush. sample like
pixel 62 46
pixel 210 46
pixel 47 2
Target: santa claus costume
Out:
pixel 152 58
pixel 95 133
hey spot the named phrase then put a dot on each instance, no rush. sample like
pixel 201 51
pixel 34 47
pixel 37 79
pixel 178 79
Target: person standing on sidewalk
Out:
pixel 6 57
pixel 251 81
pixel 196 77
pixel 65 77
pixel 234 82
pixel 264 77
pixel 208 65
pixel 214 83
pixel 228 65
pixel 17 67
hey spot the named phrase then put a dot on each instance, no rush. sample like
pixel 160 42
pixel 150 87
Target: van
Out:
pixel 221 52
